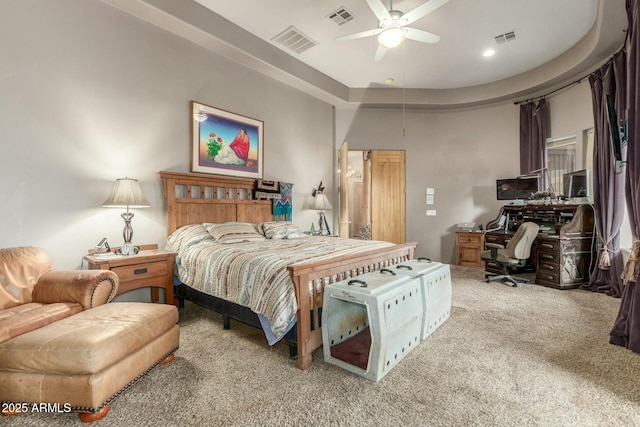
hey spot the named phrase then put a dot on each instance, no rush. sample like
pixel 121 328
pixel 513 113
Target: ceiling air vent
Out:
pixel 506 37
pixel 294 40
pixel 341 16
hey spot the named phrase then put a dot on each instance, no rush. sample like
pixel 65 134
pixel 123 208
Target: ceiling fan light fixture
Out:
pixel 391 37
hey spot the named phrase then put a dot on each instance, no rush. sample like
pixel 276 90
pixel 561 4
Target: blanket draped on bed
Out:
pixel 280 194
pixel 283 207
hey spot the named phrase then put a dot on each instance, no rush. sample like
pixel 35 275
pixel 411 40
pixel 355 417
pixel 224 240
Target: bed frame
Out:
pixel 197 198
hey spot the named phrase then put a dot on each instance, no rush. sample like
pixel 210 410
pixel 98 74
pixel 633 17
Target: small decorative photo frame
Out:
pixel 225 143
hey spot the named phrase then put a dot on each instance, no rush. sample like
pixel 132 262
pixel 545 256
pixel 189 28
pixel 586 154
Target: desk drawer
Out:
pixel 141 271
pixel 500 239
pixel 548 245
pixel 470 238
pixel 544 276
pixel 548 257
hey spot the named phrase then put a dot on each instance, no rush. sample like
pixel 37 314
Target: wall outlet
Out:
pixel 430 198
pixel 431 212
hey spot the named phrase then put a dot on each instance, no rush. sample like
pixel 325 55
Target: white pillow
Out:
pixel 234 232
pixel 187 235
pixel 281 230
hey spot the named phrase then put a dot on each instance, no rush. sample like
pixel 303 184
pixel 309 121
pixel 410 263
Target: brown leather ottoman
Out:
pixel 84 361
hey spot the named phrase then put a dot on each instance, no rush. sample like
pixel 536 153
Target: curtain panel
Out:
pixel 534 131
pixel 609 82
pixel 626 329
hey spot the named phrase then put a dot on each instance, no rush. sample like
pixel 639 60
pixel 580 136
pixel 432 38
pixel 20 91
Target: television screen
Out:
pixel 576 184
pixel 517 188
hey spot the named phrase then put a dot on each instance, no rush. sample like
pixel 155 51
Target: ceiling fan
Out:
pixel 392 30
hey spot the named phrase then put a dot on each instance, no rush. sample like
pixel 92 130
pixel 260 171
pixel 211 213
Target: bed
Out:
pixel 195 199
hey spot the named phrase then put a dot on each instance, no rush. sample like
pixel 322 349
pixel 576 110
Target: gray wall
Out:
pixel 458 153
pixel 89 94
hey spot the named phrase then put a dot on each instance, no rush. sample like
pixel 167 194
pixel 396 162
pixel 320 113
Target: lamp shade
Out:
pixel 321 202
pixel 126 193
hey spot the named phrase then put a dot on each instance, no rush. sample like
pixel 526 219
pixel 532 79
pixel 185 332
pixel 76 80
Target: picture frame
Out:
pixel 226 143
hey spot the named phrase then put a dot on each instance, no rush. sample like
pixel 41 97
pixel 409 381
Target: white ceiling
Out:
pixel 556 41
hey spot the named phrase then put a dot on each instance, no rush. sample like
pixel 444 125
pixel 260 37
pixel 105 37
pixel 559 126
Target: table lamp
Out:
pixel 127 193
pixel 321 204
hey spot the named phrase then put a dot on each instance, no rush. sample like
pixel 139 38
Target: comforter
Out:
pixel 254 274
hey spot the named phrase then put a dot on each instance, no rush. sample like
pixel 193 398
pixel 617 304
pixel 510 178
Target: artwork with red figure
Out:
pixel 212 152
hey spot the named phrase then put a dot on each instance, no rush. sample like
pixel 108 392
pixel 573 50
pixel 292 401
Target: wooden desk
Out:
pixel 564 250
pixel 150 267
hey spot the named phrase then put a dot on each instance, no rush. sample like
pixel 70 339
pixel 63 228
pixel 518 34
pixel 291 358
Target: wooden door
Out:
pixel 343 191
pixel 388 195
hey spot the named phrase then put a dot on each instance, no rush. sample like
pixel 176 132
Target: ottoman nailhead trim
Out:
pixel 132 382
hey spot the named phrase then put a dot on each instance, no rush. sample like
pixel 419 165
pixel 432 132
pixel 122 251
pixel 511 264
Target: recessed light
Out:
pixel 489 52
pixel 389 80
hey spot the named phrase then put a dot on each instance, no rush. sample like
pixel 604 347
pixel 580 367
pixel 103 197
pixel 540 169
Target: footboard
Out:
pixel 310 279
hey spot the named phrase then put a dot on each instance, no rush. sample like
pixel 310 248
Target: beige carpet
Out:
pixel 526 356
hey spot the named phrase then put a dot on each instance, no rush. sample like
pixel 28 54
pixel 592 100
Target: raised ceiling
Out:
pixel 555 41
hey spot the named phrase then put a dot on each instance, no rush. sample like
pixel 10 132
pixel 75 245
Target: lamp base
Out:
pixel 324 225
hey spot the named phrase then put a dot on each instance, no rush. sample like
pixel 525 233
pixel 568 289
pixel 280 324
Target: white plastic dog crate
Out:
pixel 436 290
pixel 371 322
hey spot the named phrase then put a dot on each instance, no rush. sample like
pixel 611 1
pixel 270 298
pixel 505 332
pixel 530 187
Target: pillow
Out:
pixel 187 235
pixel 281 230
pixel 234 232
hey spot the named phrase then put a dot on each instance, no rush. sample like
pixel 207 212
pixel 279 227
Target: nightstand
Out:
pixel 469 244
pixel 150 267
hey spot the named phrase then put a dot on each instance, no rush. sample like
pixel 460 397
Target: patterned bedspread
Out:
pixel 254 274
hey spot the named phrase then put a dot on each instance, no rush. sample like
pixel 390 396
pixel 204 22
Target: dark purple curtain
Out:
pixel 533 136
pixel 608 194
pixel 626 329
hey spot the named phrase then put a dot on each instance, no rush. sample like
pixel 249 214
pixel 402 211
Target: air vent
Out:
pixel 506 37
pixel 341 16
pixel 294 40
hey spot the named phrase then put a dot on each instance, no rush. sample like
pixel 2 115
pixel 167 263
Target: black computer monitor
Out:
pixel 517 188
pixel 576 184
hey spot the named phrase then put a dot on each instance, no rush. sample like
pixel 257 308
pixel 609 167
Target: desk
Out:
pixel 562 255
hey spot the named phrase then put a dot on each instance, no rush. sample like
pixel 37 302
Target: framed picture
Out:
pixel 225 143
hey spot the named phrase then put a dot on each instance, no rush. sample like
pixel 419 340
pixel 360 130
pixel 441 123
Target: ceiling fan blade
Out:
pixel 422 10
pixel 379 10
pixel 359 35
pixel 380 53
pixel 421 36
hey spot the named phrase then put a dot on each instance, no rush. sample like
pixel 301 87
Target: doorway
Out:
pixel 372 194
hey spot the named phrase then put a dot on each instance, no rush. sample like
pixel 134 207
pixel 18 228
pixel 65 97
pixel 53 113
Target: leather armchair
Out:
pixel 34 294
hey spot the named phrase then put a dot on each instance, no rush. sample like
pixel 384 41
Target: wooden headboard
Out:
pixel 194 198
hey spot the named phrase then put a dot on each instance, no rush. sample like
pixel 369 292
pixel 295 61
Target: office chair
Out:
pixel 513 255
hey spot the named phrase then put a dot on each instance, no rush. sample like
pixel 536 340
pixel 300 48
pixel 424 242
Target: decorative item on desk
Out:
pixel 543 197
pixel 321 204
pixel 102 246
pixel 127 193
pixel 466 226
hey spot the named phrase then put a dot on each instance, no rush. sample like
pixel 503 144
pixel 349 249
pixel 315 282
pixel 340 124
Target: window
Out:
pixel 569 153
pixel 561 158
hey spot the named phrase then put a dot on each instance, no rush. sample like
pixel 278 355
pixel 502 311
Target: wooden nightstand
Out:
pixel 150 267
pixel 469 244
